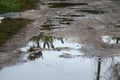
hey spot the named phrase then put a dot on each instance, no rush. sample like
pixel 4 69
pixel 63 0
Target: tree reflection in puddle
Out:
pixel 39 43
pixel 35 55
pixel 65 60
pixel 114 70
pixel 43 41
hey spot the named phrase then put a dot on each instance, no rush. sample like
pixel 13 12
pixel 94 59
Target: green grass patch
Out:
pixel 16 5
pixel 9 27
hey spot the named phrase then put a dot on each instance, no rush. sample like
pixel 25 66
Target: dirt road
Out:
pixel 93 23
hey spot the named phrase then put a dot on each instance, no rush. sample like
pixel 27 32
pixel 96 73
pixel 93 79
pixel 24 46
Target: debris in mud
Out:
pixel 62 5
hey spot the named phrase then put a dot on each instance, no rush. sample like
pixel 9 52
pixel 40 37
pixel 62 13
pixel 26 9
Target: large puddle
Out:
pixel 55 58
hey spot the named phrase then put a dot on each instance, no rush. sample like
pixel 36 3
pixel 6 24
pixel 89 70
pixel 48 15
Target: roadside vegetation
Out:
pixel 16 5
pixel 9 27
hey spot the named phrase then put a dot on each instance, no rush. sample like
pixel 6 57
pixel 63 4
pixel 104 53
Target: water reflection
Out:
pixel 111 40
pixel 35 55
pixel 115 72
pixel 44 41
pixel 98 69
pixel 112 71
pixel 68 61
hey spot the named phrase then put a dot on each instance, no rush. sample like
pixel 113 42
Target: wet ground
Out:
pixel 69 40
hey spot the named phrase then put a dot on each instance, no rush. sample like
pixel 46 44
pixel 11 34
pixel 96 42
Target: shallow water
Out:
pixel 64 61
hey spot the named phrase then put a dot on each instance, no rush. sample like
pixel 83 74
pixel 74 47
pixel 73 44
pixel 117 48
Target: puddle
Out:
pixel 111 40
pixel 62 5
pixel 92 11
pixel 52 67
pixel 47 42
pixel 56 58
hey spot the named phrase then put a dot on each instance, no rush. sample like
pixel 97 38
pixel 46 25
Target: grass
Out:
pixel 16 5
pixel 9 27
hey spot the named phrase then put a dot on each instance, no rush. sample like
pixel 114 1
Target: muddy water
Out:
pixel 74 42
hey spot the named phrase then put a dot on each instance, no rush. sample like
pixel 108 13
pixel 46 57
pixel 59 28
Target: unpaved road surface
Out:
pixel 93 23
